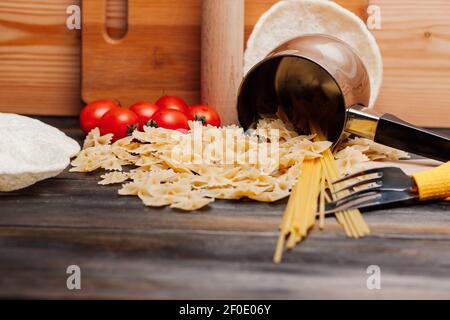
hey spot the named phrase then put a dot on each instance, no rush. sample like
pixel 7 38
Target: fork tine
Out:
pixel 360 183
pixel 364 201
pixel 359 174
pixel 357 194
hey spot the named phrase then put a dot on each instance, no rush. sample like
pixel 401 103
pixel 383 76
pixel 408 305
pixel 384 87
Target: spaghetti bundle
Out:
pixel 308 198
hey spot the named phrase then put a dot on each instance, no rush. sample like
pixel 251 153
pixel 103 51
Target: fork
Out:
pixel 388 185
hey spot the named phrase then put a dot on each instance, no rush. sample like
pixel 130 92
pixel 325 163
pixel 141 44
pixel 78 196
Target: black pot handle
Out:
pixel 394 132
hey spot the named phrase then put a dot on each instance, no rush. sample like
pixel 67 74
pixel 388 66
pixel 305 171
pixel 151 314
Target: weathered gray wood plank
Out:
pixel 216 265
pixel 126 250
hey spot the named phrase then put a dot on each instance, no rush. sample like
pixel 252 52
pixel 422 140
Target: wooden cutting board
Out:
pixel 159 55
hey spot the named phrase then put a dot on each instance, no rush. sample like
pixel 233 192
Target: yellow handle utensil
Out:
pixel 390 185
pixel 434 184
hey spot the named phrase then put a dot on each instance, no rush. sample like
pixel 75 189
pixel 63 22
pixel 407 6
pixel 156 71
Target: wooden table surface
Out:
pixel 126 250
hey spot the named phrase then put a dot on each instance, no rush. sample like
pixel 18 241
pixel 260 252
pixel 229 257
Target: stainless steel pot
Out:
pixel 320 78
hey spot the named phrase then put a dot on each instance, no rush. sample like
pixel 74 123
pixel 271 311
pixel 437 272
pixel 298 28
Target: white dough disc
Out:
pixel 30 151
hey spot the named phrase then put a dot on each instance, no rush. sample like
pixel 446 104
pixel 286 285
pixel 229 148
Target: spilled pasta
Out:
pixel 151 166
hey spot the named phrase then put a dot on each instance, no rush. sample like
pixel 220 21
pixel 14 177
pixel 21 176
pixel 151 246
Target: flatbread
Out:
pixel 292 18
pixel 30 151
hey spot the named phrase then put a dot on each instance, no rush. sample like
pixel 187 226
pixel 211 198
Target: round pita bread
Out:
pixel 292 18
pixel 31 151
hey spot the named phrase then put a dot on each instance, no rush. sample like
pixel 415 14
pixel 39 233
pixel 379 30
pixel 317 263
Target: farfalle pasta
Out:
pixel 188 171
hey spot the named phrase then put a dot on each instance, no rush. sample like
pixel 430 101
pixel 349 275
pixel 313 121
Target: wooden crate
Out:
pixel 40 58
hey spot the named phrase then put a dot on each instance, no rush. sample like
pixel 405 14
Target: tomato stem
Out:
pixel 152 123
pixel 131 129
pixel 202 119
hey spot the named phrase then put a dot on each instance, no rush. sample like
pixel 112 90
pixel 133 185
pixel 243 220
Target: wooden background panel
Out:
pixel 415 43
pixel 39 58
pixel 40 62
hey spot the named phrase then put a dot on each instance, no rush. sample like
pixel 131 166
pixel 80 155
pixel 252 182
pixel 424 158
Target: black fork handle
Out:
pixel 394 132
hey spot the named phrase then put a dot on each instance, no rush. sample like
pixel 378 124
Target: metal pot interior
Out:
pixel 297 87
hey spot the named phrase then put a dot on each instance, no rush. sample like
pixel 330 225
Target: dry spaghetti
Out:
pixel 308 198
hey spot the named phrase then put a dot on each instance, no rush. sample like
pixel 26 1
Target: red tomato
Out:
pixel 205 114
pixel 175 103
pixel 144 111
pixel 120 121
pixel 170 119
pixel 92 113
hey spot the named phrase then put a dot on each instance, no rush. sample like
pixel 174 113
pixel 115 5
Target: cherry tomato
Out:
pixel 120 122
pixel 92 113
pixel 170 119
pixel 175 103
pixel 205 114
pixel 144 111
